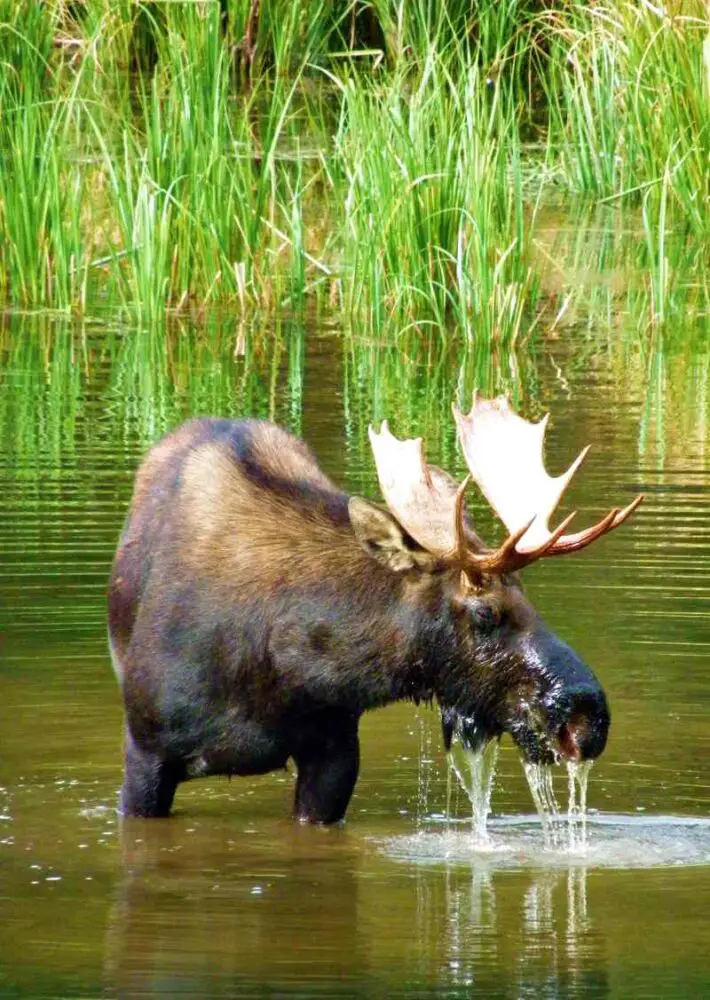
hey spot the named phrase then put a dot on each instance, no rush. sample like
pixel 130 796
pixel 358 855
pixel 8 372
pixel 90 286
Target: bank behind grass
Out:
pixel 384 163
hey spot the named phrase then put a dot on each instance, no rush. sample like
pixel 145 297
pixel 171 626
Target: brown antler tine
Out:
pixel 612 520
pixel 556 534
pixel 518 560
pixel 628 511
pixel 501 557
pixel 573 543
pixel 511 541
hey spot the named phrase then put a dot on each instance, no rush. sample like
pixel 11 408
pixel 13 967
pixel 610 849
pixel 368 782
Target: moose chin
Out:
pixel 256 611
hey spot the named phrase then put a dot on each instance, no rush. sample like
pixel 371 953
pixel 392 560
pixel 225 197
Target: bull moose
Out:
pixel 256 610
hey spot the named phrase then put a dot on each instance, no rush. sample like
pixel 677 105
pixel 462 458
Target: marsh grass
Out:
pixel 435 220
pixel 198 188
pixel 361 162
pixel 628 92
pixel 41 248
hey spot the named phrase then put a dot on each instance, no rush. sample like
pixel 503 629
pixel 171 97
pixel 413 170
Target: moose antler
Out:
pixel 429 503
pixel 504 454
pixel 422 497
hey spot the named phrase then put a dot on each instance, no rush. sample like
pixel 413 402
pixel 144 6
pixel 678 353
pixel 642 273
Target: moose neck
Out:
pixel 410 637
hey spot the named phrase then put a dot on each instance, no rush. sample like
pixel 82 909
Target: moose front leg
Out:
pixel 327 764
pixel 149 782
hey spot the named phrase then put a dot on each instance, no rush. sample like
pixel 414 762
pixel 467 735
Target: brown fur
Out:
pixel 256 611
pixel 286 542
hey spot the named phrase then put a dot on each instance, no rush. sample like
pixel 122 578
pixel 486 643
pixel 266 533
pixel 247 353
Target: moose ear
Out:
pixel 382 537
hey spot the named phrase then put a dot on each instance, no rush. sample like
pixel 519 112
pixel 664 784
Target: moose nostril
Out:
pixel 584 733
pixel 568 738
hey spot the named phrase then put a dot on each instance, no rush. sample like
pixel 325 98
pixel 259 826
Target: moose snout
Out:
pixel 577 710
pixel 582 724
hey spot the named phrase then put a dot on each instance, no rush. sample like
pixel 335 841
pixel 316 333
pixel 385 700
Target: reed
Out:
pixel 41 243
pixel 208 209
pixel 363 162
pixel 436 229
pixel 627 89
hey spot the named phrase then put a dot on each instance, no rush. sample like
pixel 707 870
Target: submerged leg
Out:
pixel 149 782
pixel 327 771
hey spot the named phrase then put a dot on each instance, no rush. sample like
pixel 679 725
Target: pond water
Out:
pixel 229 897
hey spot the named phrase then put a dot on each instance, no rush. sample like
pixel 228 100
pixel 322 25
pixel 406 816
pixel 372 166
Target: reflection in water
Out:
pixel 563 948
pixel 245 920
pixel 536 926
pixel 185 924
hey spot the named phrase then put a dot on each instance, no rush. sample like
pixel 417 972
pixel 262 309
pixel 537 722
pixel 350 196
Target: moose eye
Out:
pixel 486 618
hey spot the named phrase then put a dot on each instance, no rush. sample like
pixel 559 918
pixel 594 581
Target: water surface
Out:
pixel 229 897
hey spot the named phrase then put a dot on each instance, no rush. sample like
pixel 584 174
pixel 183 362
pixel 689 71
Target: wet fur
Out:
pixel 249 622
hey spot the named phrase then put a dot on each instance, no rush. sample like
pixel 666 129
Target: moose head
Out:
pixel 522 678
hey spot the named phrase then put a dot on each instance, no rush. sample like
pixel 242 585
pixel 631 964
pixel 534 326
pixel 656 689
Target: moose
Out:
pixel 256 611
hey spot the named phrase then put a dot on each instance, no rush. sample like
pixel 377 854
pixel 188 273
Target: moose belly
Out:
pixel 237 748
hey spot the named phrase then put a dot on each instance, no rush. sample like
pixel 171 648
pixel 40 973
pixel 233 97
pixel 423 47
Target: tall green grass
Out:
pixel 362 161
pixel 628 87
pixel 436 230
pixel 41 239
pixel 208 209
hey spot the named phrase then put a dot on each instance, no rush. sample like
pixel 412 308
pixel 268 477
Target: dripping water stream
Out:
pixel 475 770
pixel 577 779
pixel 560 831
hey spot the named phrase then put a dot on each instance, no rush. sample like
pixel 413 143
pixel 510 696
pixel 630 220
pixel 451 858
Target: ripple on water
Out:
pixel 615 840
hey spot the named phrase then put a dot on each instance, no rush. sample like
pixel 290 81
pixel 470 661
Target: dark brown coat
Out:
pixel 256 611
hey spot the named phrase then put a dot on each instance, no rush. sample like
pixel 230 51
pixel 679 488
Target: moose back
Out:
pixel 256 610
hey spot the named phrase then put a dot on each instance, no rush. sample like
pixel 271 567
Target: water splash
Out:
pixel 474 764
pixel 616 841
pixel 475 770
pixel 561 832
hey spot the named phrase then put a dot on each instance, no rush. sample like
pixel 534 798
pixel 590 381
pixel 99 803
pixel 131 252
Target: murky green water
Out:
pixel 229 897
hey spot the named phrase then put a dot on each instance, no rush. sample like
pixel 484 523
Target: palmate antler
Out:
pixel 427 501
pixel 422 497
pixel 504 454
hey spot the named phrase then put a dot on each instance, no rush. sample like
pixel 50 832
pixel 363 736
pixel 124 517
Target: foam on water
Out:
pixel 614 840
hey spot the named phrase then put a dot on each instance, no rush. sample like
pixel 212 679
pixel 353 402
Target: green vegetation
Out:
pixel 382 164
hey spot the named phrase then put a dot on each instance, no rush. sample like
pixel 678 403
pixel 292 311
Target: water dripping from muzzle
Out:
pixel 561 832
pixel 539 779
pixel 577 779
pixel 473 761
